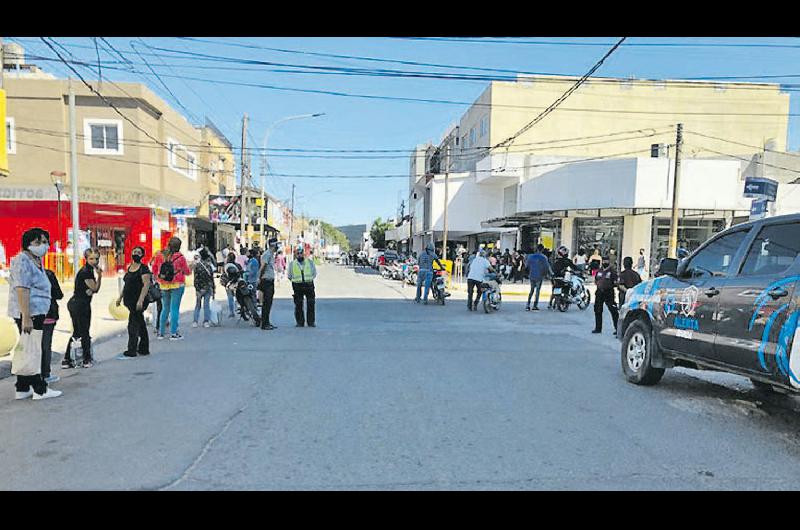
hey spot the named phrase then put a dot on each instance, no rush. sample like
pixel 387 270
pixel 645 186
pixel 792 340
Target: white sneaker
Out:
pixel 23 395
pixel 52 379
pixel 194 324
pixel 206 324
pixel 176 336
pixel 47 395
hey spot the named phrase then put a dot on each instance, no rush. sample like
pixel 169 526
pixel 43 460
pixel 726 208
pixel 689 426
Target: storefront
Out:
pixel 544 232
pixel 603 233
pixel 691 234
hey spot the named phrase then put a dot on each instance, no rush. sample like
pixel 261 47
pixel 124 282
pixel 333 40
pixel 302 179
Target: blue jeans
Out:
pixel 231 302
pixel 203 299
pixel 171 300
pixel 537 285
pixel 425 277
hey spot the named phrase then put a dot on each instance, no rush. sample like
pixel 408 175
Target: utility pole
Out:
pixel 291 221
pixel 244 173
pixel 2 63
pixel 676 181
pixel 73 159
pixel 446 200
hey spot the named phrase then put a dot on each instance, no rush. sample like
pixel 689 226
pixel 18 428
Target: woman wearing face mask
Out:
pixel 80 308
pixel 134 292
pixel 171 269
pixel 28 304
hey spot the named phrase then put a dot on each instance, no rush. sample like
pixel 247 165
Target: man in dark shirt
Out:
pixel 605 280
pixel 628 278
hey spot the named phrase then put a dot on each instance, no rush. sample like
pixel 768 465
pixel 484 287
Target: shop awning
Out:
pixel 527 218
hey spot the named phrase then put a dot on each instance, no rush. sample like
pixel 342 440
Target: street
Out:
pixel 386 394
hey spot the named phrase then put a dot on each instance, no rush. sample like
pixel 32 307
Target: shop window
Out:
pixel 11 138
pixel 181 159
pixel 102 137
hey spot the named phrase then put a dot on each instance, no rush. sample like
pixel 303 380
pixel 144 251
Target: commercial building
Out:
pixel 598 169
pixel 136 164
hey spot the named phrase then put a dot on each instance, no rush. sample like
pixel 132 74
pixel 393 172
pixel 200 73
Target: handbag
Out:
pixel 28 360
pixel 153 293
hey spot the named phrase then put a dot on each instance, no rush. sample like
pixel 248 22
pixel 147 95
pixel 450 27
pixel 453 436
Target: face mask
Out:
pixel 38 250
pixel 137 258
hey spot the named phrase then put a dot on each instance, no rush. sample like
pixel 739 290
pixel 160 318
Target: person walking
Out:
pixel 29 297
pixel 280 265
pixel 641 264
pixel 171 269
pixel 605 280
pixel 302 272
pixel 50 321
pixel 538 268
pixel 477 274
pixel 80 308
pixel 628 279
pixel 136 284
pixel 204 288
pixel 266 284
pixel 425 273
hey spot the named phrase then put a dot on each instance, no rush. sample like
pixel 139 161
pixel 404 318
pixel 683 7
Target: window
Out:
pixel 102 137
pixel 472 136
pixel 773 251
pixel 484 126
pixel 464 143
pixel 11 138
pixel 715 259
pixel 182 160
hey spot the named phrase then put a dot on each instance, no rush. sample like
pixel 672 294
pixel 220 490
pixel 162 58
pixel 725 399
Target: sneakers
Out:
pixel 206 324
pixel 125 356
pixel 52 379
pixel 527 308
pixel 159 336
pixel 176 336
pixel 312 325
pixel 87 364
pixel 23 395
pixel 299 325
pixel 597 331
pixel 66 364
pixel 47 395
pixel 268 327
pixel 194 324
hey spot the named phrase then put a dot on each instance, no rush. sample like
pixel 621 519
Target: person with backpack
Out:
pixel 80 308
pixel 134 295
pixel 204 287
pixel 171 269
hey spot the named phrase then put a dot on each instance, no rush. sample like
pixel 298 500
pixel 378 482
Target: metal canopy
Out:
pixel 525 218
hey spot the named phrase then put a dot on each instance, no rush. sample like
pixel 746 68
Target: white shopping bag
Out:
pixel 216 313
pixel 28 360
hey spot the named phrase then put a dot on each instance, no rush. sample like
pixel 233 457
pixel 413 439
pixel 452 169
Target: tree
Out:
pixel 378 232
pixel 334 236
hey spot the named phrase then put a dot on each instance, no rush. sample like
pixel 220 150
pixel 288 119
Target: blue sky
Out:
pixel 351 123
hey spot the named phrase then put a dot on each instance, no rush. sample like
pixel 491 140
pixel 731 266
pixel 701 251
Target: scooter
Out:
pixel 490 295
pixel 570 290
pixel 438 287
pixel 412 271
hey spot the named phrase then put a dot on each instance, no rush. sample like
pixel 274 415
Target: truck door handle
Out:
pixel 778 293
pixel 712 292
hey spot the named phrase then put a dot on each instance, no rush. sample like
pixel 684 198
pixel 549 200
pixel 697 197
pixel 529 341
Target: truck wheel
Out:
pixel 636 355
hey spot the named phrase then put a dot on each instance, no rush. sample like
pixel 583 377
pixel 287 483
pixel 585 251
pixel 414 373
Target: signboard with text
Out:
pixel 760 188
pixel 224 208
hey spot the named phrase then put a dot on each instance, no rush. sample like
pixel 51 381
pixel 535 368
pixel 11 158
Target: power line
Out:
pixel 759 148
pixel 579 43
pixel 556 103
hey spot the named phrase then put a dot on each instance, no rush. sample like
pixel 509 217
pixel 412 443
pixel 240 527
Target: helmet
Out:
pixel 682 253
pixel 231 268
pixel 563 251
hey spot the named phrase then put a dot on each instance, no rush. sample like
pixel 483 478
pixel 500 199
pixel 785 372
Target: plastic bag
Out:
pixel 28 360
pixel 216 313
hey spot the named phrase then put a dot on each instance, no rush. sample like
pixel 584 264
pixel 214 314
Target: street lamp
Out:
pixel 57 178
pixel 264 160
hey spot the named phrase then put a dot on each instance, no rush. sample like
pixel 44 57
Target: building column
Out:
pixel 637 233
pixel 567 233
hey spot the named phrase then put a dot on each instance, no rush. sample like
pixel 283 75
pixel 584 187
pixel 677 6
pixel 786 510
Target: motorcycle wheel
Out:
pixel 487 305
pixel 251 308
pixel 441 298
pixel 562 304
pixel 586 298
pixel 498 299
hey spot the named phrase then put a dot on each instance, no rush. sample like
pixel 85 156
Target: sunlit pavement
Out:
pixel 389 394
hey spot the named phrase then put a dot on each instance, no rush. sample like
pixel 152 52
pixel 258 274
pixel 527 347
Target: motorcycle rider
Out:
pixel 477 274
pixel 425 274
pixel 561 265
pixel 605 280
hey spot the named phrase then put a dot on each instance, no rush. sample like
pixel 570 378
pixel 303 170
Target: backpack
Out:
pixel 167 271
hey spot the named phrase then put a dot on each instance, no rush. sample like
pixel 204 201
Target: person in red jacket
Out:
pixel 170 268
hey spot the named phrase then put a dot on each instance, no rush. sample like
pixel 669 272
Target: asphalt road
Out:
pixel 388 394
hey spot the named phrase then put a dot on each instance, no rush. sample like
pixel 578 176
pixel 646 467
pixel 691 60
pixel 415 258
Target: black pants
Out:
pixel 304 290
pixel 138 340
pixel 47 348
pixel 607 298
pixel 25 382
pixel 473 284
pixel 621 298
pixel 80 311
pixel 267 287
pixel 159 307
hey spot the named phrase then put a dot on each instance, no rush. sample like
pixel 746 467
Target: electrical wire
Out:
pixel 490 40
pixel 795 155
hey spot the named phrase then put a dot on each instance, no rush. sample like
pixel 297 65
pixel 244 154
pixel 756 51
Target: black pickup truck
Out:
pixel 732 306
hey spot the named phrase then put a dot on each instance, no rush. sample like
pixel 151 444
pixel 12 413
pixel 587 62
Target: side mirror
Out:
pixel 668 266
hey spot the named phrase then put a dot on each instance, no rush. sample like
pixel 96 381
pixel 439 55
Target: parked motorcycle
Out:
pixel 245 294
pixel 570 290
pixel 438 287
pixel 411 272
pixel 490 293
